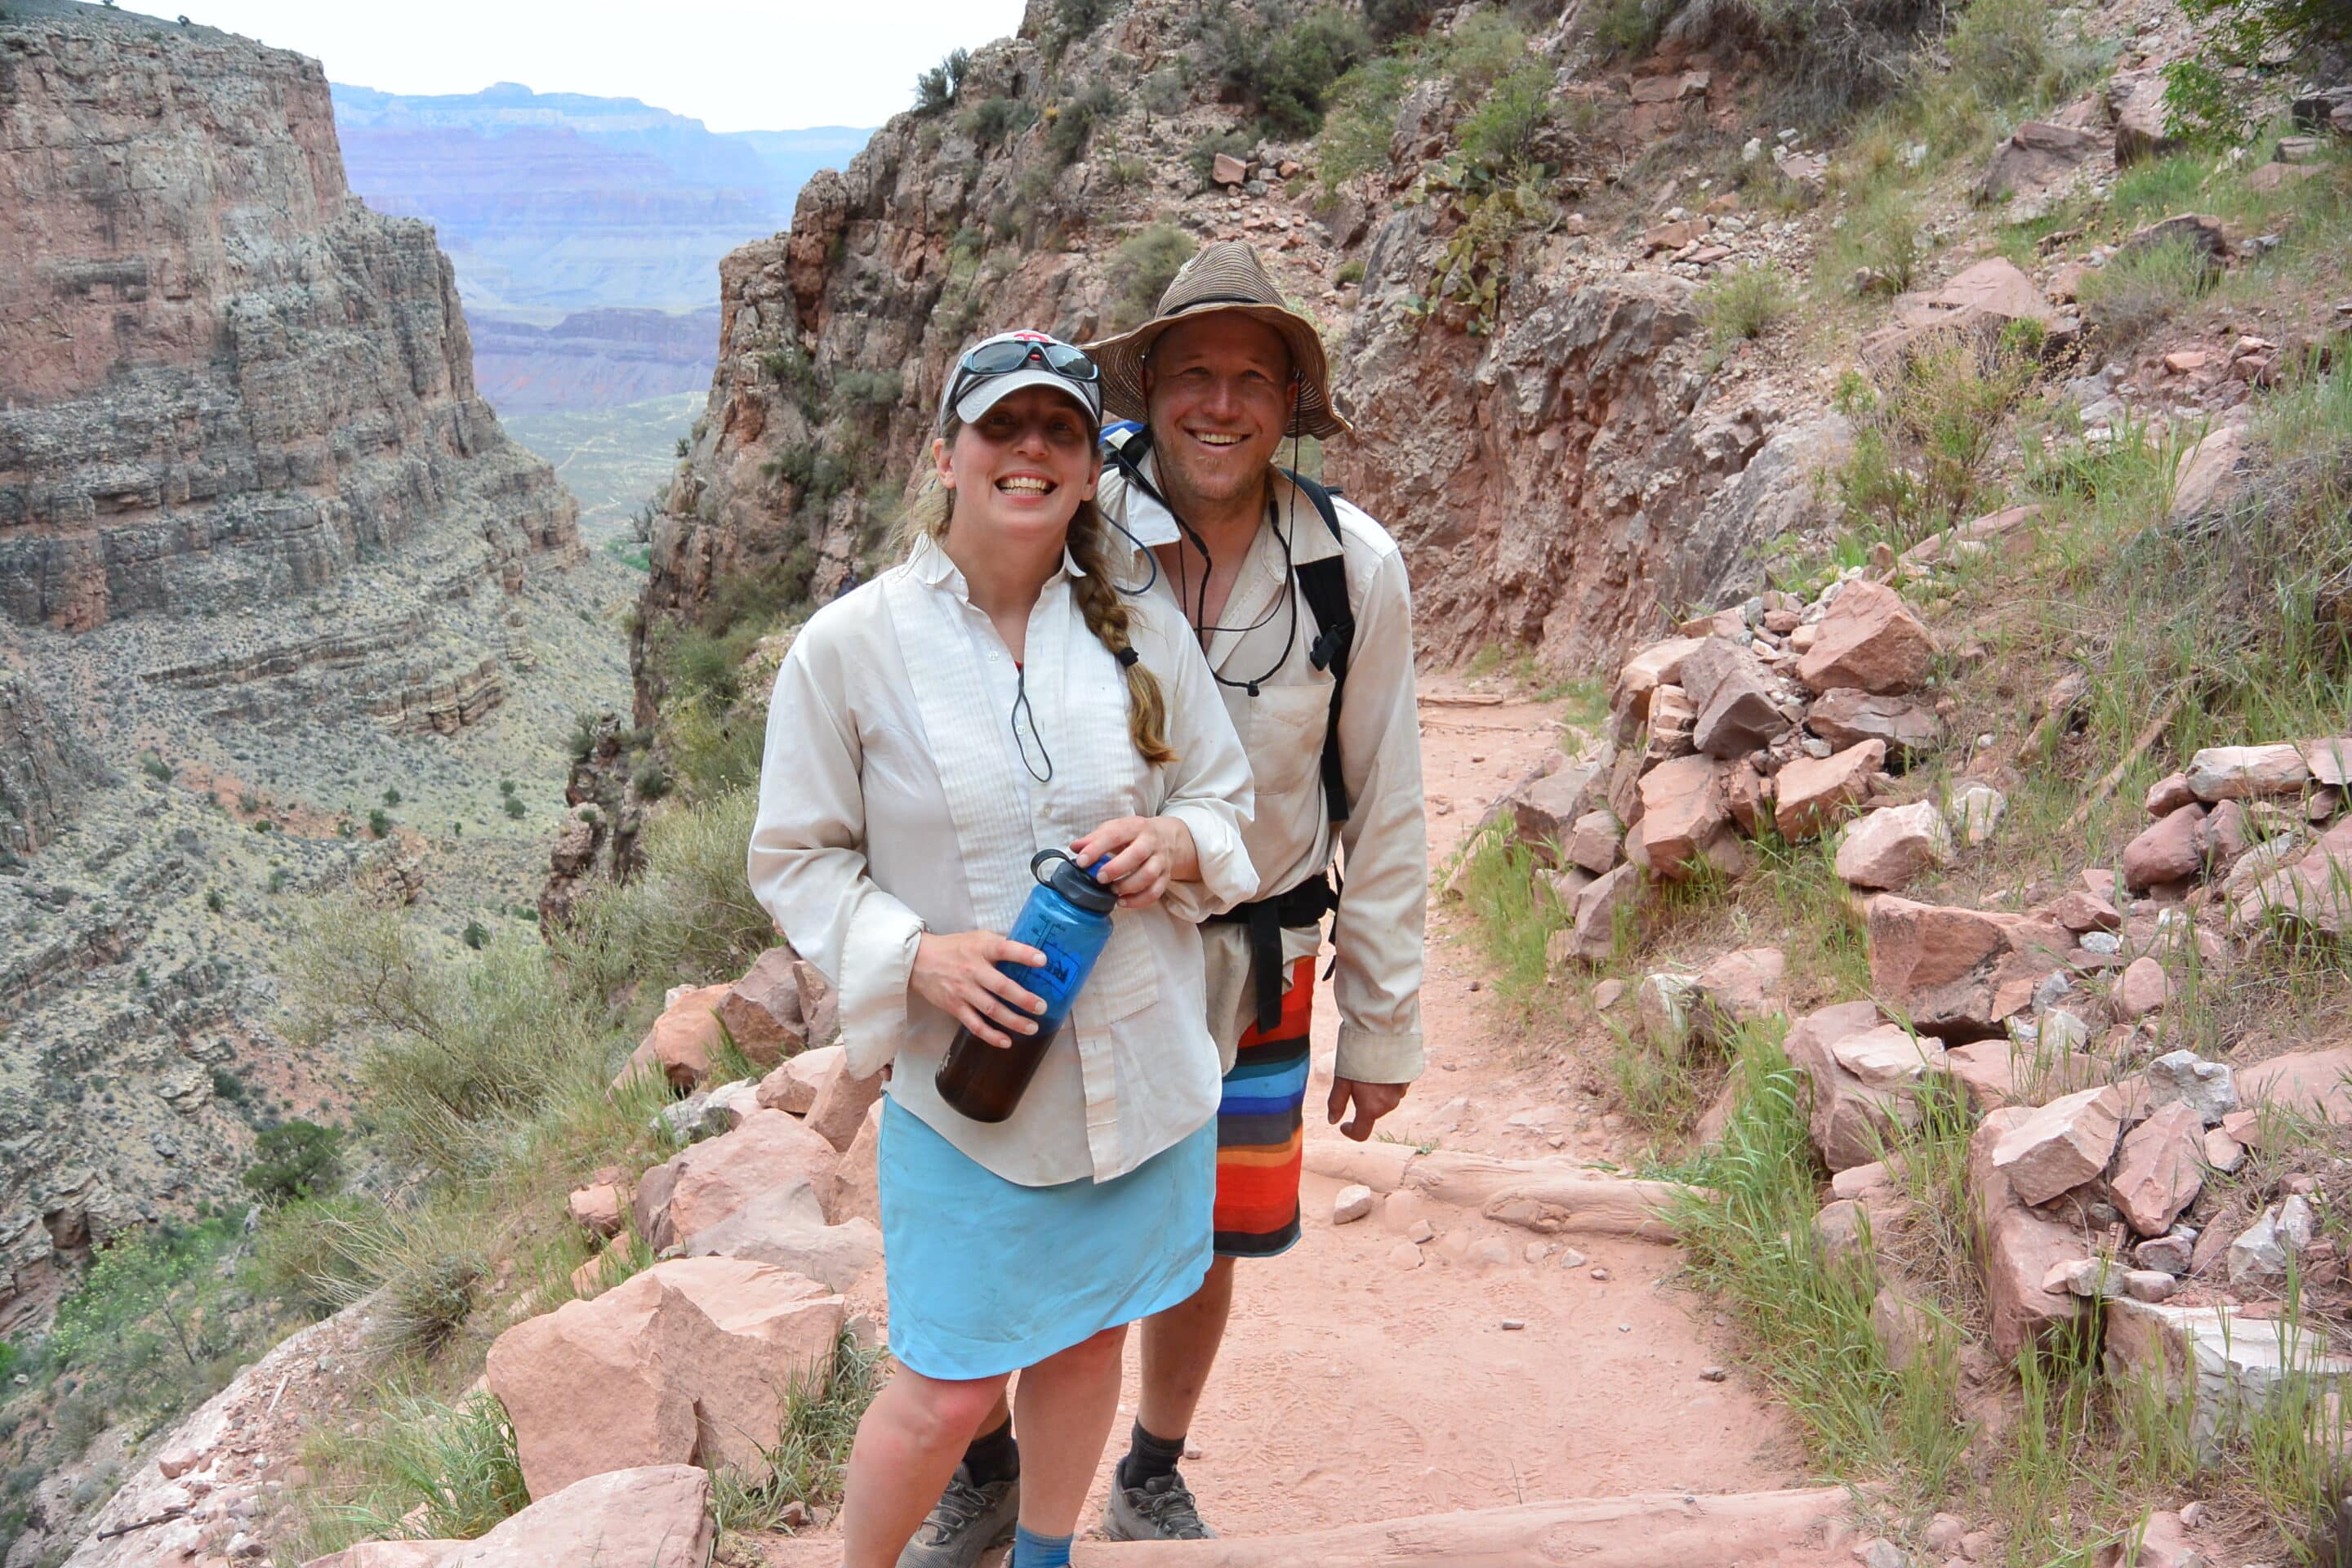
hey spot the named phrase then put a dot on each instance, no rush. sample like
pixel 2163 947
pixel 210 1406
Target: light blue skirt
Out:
pixel 987 1275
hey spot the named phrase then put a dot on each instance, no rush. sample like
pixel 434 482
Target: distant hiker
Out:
pixel 991 697
pixel 1300 601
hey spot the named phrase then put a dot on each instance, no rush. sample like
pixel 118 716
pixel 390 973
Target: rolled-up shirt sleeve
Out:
pixel 1209 787
pixel 806 867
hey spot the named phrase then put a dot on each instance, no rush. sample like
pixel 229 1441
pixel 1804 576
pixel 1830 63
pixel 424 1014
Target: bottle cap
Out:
pixel 1073 881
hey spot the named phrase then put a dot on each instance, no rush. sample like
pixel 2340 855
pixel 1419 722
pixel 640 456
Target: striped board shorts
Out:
pixel 1258 1150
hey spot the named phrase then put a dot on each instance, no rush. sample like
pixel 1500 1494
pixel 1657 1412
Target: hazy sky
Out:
pixel 737 65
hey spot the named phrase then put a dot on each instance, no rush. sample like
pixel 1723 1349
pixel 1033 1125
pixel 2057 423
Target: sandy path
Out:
pixel 1366 1377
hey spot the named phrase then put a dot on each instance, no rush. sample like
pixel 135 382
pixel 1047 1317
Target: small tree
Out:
pixel 379 823
pixel 296 1160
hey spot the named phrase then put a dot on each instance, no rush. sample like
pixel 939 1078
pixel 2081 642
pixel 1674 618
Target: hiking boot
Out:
pixel 966 1521
pixel 1160 1509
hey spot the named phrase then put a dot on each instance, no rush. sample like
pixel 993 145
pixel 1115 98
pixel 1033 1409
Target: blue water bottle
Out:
pixel 1067 919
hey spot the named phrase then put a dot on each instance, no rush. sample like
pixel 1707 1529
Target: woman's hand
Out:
pixel 1146 853
pixel 958 975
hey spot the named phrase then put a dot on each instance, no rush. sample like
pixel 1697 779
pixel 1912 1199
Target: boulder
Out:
pixel 1735 713
pixel 771 1153
pixel 2020 1246
pixel 2170 850
pixel 1595 841
pixel 1974 809
pixel 2160 1540
pixel 2306 1083
pixel 597 1208
pixel 1847 716
pixel 1747 796
pixel 2247 773
pixel 780 1007
pixel 841 1101
pixel 2143 988
pixel 1228 171
pixel 1672 721
pixel 1660 664
pixel 1889 848
pixel 1849 1119
pixel 655 1516
pixel 1544 815
pixel 2168 794
pixel 2080 910
pixel 1591 935
pixel 2036 154
pixel 1869 639
pixel 1684 817
pixel 2314 892
pixel 2209 476
pixel 2263 1250
pixel 1957 972
pixel 689 1362
pixel 2060 1146
pixel 680 1044
pixel 2157 1174
pixel 2135 106
pixel 1811 795
pixel 858 1181
pixel 2225 1367
pixel 2169 1254
pixel 1738 988
pixel 793 1083
pixel 1996 288
pixel 1889 1057
pixel 2328 762
pixel 2186 1077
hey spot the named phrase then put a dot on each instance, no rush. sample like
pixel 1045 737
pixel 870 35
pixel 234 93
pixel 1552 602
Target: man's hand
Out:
pixel 958 975
pixel 1373 1100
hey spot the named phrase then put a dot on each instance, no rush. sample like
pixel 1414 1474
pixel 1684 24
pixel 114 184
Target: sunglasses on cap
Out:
pixel 1010 354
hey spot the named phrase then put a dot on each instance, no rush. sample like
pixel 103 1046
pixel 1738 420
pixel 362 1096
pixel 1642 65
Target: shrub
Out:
pixel 1285 74
pixel 870 388
pixel 1388 20
pixel 652 782
pixel 993 121
pixel 149 1326
pixel 1232 144
pixel 515 807
pixel 2000 49
pixel 1627 27
pixel 1922 444
pixel 712 748
pixel 295 1160
pixel 936 88
pixel 379 823
pixel 1143 267
pixel 2134 293
pixel 1361 120
pixel 1350 271
pixel 687 915
pixel 1742 304
pixel 450 1472
pixel 215 901
pixel 227 1086
pixel 391 797
pixel 476 935
pixel 1076 121
pixel 152 764
pixel 1484 48
pixel 1499 134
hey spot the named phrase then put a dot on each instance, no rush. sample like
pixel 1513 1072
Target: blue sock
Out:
pixel 1039 1550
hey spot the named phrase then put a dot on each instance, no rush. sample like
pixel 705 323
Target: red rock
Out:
pixel 1868 639
pixel 1849 1119
pixel 2036 153
pixel 1738 988
pixel 1673 236
pixel 2079 910
pixel 2135 106
pixel 1672 719
pixel 2020 1247
pixel 687 1362
pixel 841 1104
pixel 2329 762
pixel 1848 715
pixel 857 1184
pixel 1544 814
pixel 793 1085
pixel 2156 1176
pixel 2168 794
pixel 596 1209
pixel 2143 988
pixel 2207 477
pixel 1595 841
pixel 1660 664
pixel 780 1006
pixel 1735 713
pixel 1889 848
pixel 2185 362
pixel 1227 170
pixel 2171 850
pixel 1682 814
pixel 2061 1146
pixel 1958 972
pixel 1747 796
pixel 680 1043
pixel 710 1182
pixel 2309 1083
pixel 1998 287
pixel 2247 773
pixel 1591 936
pixel 1813 793
pixel 2315 892
pixel 2160 1542
pixel 2228 836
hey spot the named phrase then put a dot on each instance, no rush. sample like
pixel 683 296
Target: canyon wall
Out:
pixel 1564 478
pixel 266 563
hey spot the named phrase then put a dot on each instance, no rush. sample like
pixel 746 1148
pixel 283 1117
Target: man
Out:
pixel 1220 376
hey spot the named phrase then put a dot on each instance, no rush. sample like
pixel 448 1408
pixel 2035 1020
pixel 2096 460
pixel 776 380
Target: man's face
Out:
pixel 1218 391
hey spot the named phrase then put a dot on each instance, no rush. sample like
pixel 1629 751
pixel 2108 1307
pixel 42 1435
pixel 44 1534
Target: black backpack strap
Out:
pixel 1324 585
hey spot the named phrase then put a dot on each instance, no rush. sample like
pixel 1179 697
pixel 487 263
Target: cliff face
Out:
pixel 1563 477
pixel 265 560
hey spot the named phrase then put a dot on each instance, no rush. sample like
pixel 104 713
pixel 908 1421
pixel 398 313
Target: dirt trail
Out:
pixel 1365 1377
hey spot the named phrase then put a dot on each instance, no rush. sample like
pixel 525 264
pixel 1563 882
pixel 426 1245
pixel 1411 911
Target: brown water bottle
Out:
pixel 1067 919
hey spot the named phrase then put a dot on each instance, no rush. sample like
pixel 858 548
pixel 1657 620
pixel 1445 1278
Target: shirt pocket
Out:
pixel 1125 980
pixel 1286 725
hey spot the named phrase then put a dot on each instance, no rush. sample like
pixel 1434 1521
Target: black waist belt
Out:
pixel 1301 909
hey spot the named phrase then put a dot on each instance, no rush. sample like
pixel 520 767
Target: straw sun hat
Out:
pixel 1226 276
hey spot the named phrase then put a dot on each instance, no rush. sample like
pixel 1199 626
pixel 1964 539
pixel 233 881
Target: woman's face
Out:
pixel 1021 469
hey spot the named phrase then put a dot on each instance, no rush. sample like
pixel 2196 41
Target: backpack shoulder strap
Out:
pixel 1323 585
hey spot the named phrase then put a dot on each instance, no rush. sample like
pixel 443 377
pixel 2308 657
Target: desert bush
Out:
pixel 152 764
pixel 1499 134
pixel 1360 121
pixel 791 369
pixel 1285 74
pixel 2000 49
pixel 869 388
pixel 936 89
pixel 1924 440
pixel 1350 271
pixel 1484 48
pixel 1232 144
pixel 2137 291
pixel 515 808
pixel 447 1472
pixel 993 121
pixel 1143 267
pixel 379 822
pixel 151 1329
pixel 1076 121
pixel 295 1160
pixel 1629 26
pixel 1743 302
pixel 1388 20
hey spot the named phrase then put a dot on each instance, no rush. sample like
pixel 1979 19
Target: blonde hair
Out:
pixel 933 508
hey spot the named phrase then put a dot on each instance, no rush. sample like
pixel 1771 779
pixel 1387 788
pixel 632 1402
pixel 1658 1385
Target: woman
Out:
pixel 991 696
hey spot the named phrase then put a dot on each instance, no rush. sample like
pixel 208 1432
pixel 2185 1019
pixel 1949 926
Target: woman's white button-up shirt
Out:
pixel 893 799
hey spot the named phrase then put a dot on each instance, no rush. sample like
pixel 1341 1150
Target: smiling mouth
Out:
pixel 1217 439
pixel 1027 485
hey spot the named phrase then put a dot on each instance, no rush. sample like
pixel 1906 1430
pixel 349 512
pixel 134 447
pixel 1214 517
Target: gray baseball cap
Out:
pixel 996 367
